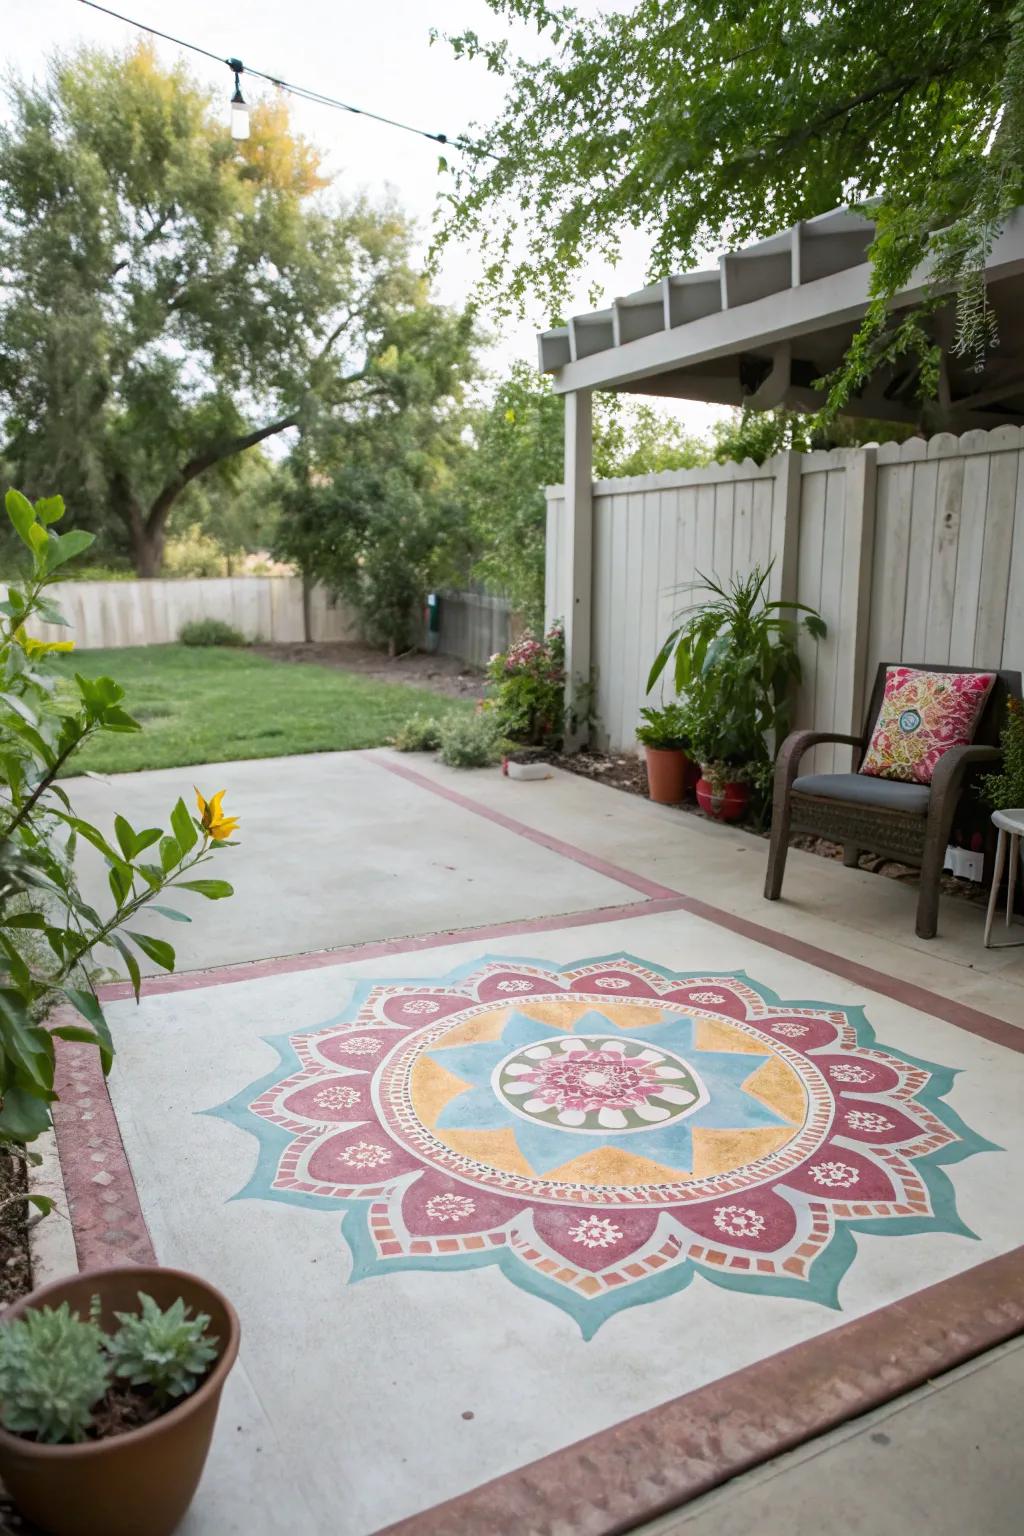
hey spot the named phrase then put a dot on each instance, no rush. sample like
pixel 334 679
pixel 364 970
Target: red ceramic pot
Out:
pixel 722 802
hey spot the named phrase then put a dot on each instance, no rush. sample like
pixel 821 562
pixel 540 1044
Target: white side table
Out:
pixel 1011 830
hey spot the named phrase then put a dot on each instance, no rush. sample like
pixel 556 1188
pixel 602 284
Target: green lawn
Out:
pixel 209 705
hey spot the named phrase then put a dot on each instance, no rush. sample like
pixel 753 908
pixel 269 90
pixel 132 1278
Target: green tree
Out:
pixel 750 434
pixel 369 509
pixel 703 124
pixel 516 451
pixel 236 506
pixel 171 299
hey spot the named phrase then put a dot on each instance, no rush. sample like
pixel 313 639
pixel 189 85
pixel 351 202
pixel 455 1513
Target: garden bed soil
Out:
pixel 15 1266
pixel 438 674
pixel 628 773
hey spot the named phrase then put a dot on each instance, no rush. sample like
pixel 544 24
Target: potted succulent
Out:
pixel 109 1387
pixel 664 736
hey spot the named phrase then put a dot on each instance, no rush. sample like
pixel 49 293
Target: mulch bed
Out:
pixel 15 1269
pixel 438 674
pixel 629 773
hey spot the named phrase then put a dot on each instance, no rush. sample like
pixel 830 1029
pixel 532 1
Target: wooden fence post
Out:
pixel 857 554
pixel 579 550
pixel 785 537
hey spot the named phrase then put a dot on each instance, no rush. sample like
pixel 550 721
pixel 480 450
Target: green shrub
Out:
pixel 666 727
pixel 210 632
pixel 53 1371
pixel 420 733
pixel 1005 791
pixel 169 1352
pixel 41 728
pixel 528 689
pixel 471 741
pixel 194 553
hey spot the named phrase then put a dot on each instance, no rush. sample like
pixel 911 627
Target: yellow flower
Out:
pixel 33 648
pixel 215 825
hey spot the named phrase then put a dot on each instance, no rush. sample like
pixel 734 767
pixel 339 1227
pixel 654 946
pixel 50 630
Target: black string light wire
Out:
pixel 301 92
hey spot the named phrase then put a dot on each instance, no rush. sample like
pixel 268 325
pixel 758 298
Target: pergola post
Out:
pixel 579 559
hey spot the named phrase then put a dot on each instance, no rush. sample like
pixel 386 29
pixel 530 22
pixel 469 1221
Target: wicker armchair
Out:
pixel 908 822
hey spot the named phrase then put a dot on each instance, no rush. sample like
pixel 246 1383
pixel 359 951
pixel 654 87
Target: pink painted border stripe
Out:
pixel 252 970
pixel 600 866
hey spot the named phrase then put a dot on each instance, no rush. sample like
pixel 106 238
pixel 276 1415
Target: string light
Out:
pixel 240 107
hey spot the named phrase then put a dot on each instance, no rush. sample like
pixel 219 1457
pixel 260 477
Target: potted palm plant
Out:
pixel 665 736
pixel 110 1383
pixel 734 659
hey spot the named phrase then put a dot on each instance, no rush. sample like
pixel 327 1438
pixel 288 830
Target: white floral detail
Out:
pixel 420 1005
pixel 450 1207
pixel 359 1045
pixel 707 997
pixel 834 1175
pixel 849 1072
pixel 738 1221
pixel 338 1096
pixel 612 983
pixel 595 1232
pixel 515 985
pixel 789 1029
pixel 365 1154
pixel 867 1120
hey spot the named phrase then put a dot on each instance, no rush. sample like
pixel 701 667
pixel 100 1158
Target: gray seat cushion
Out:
pixel 863 789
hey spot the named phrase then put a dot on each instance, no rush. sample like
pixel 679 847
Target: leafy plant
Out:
pixel 666 727
pixel 53 1371
pixel 49 935
pixel 420 733
pixel 169 1351
pixel 210 632
pixel 471 741
pixel 1005 791
pixel 735 659
pixel 528 689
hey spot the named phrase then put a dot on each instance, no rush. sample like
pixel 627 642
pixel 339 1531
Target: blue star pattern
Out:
pixel 729 1105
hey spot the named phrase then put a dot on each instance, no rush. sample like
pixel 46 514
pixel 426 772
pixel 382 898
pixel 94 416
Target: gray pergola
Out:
pixel 759 329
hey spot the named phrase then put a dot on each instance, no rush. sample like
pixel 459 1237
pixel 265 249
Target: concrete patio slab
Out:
pixel 503 1376
pixel 333 849
pixel 366 1316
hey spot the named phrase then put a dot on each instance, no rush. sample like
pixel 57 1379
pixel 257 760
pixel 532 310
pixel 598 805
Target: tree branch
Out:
pixel 225 449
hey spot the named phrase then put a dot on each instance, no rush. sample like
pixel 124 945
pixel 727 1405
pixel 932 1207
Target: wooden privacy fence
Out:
pixel 117 613
pixel 911 552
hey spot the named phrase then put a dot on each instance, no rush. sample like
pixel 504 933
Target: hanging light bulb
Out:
pixel 239 105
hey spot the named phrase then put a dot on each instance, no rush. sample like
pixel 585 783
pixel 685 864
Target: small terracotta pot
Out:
pixel 666 774
pixel 723 802
pixel 142 1481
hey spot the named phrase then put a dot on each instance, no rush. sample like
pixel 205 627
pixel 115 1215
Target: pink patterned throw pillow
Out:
pixel 923 714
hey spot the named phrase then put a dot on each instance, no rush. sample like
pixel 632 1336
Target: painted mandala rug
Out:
pixel 605 1130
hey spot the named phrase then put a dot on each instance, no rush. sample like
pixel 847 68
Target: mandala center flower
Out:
pixel 597 1085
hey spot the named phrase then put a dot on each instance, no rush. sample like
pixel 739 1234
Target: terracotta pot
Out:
pixel 666 774
pixel 142 1481
pixel 724 802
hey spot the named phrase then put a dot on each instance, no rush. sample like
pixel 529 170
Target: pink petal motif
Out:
pixel 837 1173
pixel 755 1220
pixel 594 1239
pixel 510 985
pixel 873 1123
pixel 326 1099
pixel 613 984
pixel 416 1008
pixel 361 1048
pixel 803 1034
pixel 362 1155
pixel 436 1206
pixel 710 995
pixel 857 1074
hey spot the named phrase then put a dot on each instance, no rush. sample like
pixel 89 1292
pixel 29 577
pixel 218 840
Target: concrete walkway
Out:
pixel 432 870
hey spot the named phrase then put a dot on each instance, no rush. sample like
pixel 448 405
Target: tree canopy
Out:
pixel 706 125
pixel 170 298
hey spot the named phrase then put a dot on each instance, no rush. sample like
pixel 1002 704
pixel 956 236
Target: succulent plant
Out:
pixel 169 1351
pixel 53 1371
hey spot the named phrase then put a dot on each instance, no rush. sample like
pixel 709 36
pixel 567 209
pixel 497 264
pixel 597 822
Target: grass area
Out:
pixel 213 705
